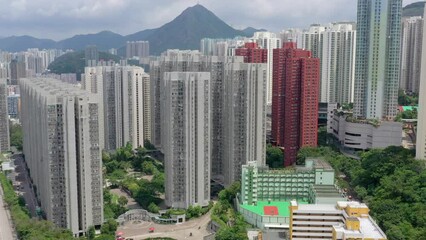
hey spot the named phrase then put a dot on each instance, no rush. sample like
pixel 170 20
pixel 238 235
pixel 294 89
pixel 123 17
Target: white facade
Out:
pixel 169 61
pixel 421 124
pixel 363 134
pixel 244 117
pixel 186 134
pixel 411 53
pixel 292 35
pixel 61 147
pixel 344 220
pixel 4 117
pixel 312 40
pixel 331 107
pixel 377 67
pixel 138 49
pixel 269 41
pixel 334 45
pixel 338 63
pixel 125 100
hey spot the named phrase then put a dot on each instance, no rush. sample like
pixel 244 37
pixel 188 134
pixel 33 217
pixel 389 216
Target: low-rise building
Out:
pixel 354 134
pixel 266 193
pixel 259 183
pixel 344 220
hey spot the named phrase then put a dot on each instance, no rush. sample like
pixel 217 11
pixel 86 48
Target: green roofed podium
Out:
pixel 266 194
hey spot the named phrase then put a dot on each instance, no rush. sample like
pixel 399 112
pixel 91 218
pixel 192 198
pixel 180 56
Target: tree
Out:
pixel 274 156
pixel 122 201
pixel 109 227
pixel 153 208
pixel 16 136
pixel 148 168
pixel 91 233
pixel 148 145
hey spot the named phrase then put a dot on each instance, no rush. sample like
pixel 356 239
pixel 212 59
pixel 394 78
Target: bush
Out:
pixel 153 208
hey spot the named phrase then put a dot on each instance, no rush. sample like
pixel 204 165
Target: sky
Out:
pixel 60 19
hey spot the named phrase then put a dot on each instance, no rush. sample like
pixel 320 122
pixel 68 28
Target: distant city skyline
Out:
pixel 63 19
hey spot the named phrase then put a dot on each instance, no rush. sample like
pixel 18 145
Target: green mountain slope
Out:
pixel 414 9
pixel 74 62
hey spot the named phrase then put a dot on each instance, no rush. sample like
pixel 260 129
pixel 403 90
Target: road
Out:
pixel 198 228
pixel 6 229
pixel 25 184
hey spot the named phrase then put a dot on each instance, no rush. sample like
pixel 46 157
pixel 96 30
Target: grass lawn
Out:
pixel 114 198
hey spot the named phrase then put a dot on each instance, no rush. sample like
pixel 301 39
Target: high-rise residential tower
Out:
pixel 169 61
pixel 295 100
pixel 244 117
pixel 338 43
pixel 252 53
pixel 138 49
pixel 312 40
pixel 4 118
pixel 411 53
pixel 231 80
pixel 377 66
pixel 91 55
pixel 421 124
pixel 61 147
pixel 125 102
pixel 186 131
pixel 268 41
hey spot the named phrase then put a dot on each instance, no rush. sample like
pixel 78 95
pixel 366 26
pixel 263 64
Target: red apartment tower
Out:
pixel 296 77
pixel 252 53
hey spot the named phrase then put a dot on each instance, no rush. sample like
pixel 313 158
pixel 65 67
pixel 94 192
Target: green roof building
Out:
pixel 259 183
pixel 266 193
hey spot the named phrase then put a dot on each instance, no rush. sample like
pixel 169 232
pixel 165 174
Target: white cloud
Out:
pixel 64 18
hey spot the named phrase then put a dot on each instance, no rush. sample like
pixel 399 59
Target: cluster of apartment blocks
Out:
pixel 62 151
pixel 208 118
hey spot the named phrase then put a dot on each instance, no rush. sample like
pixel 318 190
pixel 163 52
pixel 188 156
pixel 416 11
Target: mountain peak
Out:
pixel 198 10
pixel 184 32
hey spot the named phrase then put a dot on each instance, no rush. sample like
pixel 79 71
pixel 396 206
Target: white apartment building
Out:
pixel 377 66
pixel 312 39
pixel 334 44
pixel 411 53
pixel 61 147
pixel 186 136
pixel 124 97
pixel 421 124
pixel 269 41
pixel 138 49
pixel 4 117
pixel 169 61
pixel 338 63
pixel 244 117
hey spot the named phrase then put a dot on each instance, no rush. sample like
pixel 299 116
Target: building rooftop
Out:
pixel 368 230
pixel 326 191
pixel 318 208
pixel 54 87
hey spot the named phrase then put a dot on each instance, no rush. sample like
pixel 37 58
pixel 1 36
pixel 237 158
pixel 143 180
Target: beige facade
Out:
pixel 421 124
pixel 4 117
pixel 186 131
pixel 62 151
pixel 124 97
